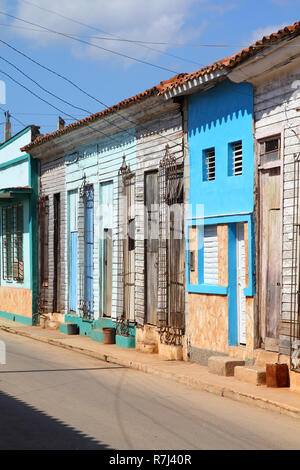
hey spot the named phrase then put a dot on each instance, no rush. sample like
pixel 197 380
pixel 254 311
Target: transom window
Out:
pixel 12 243
pixel 269 150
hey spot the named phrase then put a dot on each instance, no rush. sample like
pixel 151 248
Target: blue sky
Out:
pixel 110 78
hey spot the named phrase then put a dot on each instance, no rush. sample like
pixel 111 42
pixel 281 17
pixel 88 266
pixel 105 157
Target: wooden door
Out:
pixel 151 247
pixel 176 265
pixel 241 284
pixel 270 257
pixel 57 279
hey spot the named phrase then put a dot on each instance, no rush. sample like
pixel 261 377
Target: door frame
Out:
pixel 261 135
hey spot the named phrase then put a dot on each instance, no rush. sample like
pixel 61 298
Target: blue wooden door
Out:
pixel 105 245
pixel 73 272
pixel 89 252
pixel 73 237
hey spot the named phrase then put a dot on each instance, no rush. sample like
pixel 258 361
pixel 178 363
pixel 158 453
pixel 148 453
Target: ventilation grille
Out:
pixel 237 158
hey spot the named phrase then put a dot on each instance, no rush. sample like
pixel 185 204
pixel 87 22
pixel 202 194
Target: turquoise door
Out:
pixel 73 272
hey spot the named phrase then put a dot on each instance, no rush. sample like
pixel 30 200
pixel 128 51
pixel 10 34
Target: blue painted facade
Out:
pixel 218 118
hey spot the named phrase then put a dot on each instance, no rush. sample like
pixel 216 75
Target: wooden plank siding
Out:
pixel 276 104
pixel 100 162
pixel 51 182
pixel 153 134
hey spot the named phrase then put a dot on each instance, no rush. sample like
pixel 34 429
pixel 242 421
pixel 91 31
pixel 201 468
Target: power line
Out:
pixel 89 44
pixel 11 115
pixel 139 43
pixel 135 41
pixel 44 89
pixel 77 87
pixel 94 130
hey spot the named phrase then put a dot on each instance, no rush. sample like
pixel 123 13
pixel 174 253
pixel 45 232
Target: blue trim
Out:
pixel 232 287
pixel 227 219
pixel 208 289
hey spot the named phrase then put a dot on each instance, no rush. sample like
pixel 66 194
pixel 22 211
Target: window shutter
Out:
pixel 210 255
pixel 237 158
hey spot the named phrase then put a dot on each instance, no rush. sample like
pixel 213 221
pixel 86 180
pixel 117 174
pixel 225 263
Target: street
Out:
pixel 51 398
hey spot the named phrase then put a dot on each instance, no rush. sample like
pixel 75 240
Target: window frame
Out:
pixel 12 253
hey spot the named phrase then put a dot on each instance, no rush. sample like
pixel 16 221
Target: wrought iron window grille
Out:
pixel 123 326
pixel 86 309
pixel 86 189
pixel 12 243
pixel 170 335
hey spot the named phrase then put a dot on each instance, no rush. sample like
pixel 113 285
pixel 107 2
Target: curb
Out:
pixel 219 390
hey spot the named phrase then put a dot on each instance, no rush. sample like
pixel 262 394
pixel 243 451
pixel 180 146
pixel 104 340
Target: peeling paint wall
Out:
pixel 16 300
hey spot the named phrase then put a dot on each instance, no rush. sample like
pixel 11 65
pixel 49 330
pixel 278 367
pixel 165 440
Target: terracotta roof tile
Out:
pixel 227 63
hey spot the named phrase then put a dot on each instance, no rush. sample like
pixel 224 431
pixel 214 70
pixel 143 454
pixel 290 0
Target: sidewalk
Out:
pixel 280 400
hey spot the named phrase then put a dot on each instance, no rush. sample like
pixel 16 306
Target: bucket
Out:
pixel 109 335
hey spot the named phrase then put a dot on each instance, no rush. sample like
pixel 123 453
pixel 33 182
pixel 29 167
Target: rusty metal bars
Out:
pixel 295 274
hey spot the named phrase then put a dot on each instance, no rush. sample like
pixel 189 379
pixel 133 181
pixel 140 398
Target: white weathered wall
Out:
pixel 52 181
pixel 275 102
pixel 153 134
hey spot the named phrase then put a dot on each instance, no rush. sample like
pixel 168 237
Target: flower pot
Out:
pixel 109 335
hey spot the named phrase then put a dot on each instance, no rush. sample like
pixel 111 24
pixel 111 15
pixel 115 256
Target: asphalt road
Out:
pixel 51 398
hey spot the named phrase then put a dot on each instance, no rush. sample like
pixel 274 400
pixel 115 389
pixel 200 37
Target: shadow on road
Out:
pixel 59 370
pixel 25 427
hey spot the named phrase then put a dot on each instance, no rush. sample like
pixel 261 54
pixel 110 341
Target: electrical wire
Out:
pixel 88 124
pixel 79 88
pixel 11 115
pixel 113 36
pixel 88 43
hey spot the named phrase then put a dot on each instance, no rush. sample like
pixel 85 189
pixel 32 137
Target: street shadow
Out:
pixel 23 427
pixel 59 370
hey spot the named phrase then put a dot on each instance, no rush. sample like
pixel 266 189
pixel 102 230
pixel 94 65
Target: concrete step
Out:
pixel 69 328
pixel 263 357
pixel 223 365
pixel 52 324
pixel 150 348
pixel 255 375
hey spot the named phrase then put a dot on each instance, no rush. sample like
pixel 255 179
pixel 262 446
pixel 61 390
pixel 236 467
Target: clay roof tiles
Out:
pixel 164 86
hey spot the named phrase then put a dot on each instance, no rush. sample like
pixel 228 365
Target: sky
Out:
pixel 114 49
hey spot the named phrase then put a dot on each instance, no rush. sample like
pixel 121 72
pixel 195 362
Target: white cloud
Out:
pixel 265 31
pixel 147 20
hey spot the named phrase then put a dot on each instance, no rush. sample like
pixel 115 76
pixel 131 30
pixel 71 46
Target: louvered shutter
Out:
pixel 210 255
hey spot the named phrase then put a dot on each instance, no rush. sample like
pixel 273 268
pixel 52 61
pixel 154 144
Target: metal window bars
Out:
pixel 294 319
pixel 170 312
pixel 86 263
pixel 209 165
pixel 12 243
pixel 126 232
pixel 43 221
